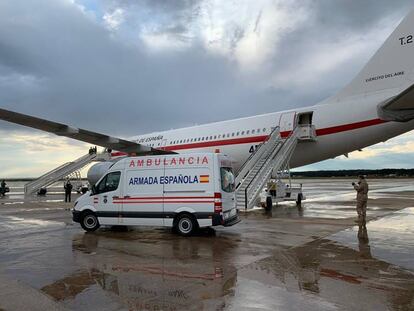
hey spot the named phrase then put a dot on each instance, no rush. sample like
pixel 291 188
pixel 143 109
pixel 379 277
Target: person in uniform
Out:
pixel 271 187
pixel 362 198
pixel 3 187
pixel 68 190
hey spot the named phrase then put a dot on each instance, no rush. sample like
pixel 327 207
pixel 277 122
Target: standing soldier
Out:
pixel 362 198
pixel 3 188
pixel 271 187
pixel 68 190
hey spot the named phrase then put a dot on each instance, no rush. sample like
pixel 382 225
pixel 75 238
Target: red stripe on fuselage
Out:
pixel 261 138
pixel 341 128
pixel 215 143
pixel 348 127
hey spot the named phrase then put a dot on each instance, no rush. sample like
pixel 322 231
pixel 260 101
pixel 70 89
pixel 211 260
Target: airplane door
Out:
pixel 163 143
pixel 287 121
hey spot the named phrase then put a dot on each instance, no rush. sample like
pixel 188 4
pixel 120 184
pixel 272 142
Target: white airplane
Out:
pixel 376 105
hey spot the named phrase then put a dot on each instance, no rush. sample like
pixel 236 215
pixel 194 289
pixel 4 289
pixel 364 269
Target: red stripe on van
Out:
pixel 178 197
pixel 146 202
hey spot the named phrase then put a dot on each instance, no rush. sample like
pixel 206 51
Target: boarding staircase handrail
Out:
pixel 55 175
pixel 263 174
pixel 60 167
pixel 58 173
pixel 34 184
pixel 47 173
pixel 255 156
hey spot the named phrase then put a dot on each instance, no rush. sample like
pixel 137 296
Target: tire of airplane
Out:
pixel 185 224
pixel 89 222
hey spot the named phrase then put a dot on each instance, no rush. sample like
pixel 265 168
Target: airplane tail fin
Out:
pixel 392 66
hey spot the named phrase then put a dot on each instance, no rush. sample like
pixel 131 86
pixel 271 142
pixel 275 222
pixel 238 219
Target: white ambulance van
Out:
pixel 184 192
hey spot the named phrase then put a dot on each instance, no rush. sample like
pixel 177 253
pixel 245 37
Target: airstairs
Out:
pixel 272 155
pixel 68 169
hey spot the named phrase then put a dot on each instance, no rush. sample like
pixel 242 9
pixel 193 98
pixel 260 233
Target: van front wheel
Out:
pixel 185 224
pixel 89 222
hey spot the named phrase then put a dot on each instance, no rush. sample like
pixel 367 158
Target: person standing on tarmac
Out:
pixel 362 198
pixel 3 188
pixel 271 187
pixel 68 191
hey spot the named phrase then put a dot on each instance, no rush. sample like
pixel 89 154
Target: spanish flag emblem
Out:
pixel 204 178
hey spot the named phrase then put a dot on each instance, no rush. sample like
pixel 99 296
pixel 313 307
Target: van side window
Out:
pixel 109 183
pixel 227 179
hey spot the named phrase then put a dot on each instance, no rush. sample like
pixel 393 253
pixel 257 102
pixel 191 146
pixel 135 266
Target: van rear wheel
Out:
pixel 89 222
pixel 186 225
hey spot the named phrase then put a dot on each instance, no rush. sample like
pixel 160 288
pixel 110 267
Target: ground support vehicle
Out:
pixel 184 192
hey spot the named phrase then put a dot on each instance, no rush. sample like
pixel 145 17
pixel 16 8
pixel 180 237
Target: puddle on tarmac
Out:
pixel 355 269
pixel 343 271
pixel 328 199
pixel 389 238
pixel 183 274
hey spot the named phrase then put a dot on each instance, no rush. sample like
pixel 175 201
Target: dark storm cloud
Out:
pixel 81 75
pixel 346 15
pixel 60 64
pixel 170 17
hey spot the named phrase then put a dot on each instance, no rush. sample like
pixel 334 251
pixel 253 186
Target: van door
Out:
pixel 143 202
pixel 228 186
pixel 287 123
pixel 106 199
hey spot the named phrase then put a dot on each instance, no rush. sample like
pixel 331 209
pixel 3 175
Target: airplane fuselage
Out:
pixel 341 127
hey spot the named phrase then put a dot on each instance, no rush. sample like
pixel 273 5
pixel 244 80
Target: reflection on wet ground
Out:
pixel 335 198
pixel 390 237
pixel 288 259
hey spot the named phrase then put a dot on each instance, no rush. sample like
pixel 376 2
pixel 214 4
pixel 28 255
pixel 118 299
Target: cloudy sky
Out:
pixel 136 66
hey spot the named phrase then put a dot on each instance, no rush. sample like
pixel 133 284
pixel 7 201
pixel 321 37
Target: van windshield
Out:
pixel 227 179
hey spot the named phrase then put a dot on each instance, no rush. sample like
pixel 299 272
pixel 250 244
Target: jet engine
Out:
pixel 97 171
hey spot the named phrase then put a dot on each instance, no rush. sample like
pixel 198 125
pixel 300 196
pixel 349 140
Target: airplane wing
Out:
pixel 398 108
pixel 94 138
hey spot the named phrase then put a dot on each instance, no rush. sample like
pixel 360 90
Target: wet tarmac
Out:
pixel 308 258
